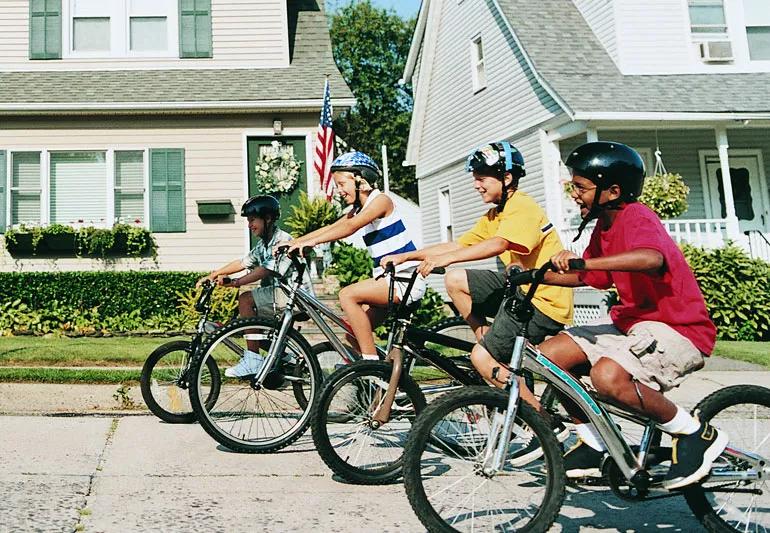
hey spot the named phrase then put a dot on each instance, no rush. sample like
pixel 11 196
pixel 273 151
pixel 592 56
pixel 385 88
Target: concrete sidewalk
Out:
pixel 134 473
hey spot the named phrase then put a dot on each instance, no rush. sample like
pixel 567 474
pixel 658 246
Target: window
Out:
pixel 129 187
pixel 445 215
pixel 757 16
pixel 25 188
pixel 121 28
pixel 707 18
pixel 78 188
pixel 478 72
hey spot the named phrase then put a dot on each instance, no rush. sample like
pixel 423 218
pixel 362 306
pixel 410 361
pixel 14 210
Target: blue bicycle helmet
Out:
pixel 358 163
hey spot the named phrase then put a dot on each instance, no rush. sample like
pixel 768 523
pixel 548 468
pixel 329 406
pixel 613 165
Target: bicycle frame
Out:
pixel 528 357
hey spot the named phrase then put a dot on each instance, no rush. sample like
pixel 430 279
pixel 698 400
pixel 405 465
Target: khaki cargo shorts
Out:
pixel 652 352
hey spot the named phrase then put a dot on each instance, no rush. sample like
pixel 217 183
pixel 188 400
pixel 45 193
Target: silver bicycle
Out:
pixel 478 459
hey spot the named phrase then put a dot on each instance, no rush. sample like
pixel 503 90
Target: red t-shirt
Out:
pixel 672 297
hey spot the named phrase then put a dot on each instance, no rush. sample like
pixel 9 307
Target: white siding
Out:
pixel 245 34
pixel 600 16
pixel 653 37
pixel 214 169
pixel 455 119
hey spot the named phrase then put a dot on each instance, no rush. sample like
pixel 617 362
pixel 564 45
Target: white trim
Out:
pixel 45 183
pixel 478 64
pixel 245 191
pixel 7 188
pixel 592 135
pixel 109 161
pixel 445 213
pixel 565 131
pixel 554 197
pixel 649 116
pixel 414 47
pixel 309 157
pixel 147 191
pixel 310 104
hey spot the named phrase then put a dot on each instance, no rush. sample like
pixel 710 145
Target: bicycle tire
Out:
pixel 719 408
pixel 455 326
pixel 322 419
pixel 149 385
pixel 240 430
pixel 422 435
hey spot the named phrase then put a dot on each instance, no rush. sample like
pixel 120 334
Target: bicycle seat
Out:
pixel 301 316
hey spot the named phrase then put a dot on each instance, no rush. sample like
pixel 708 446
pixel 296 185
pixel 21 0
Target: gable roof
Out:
pixel 297 87
pixel 575 65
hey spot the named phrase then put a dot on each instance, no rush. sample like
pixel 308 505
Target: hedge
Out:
pixel 114 293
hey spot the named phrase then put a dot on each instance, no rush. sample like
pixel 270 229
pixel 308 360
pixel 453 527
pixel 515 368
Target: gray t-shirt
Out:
pixel 262 256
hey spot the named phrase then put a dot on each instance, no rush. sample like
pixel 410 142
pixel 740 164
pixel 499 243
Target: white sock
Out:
pixel 248 352
pixel 589 435
pixel 370 356
pixel 683 423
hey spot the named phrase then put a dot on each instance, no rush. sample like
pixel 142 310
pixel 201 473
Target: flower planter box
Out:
pixel 22 245
pixel 60 243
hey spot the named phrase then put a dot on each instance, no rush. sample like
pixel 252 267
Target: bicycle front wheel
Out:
pixel 444 462
pixel 257 417
pixel 743 411
pixel 347 437
pixel 165 382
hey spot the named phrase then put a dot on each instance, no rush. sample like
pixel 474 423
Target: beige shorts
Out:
pixel 418 289
pixel 652 352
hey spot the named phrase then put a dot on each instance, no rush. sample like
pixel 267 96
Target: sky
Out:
pixel 405 8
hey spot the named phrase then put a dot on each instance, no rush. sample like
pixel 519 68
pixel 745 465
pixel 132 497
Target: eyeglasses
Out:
pixel 572 187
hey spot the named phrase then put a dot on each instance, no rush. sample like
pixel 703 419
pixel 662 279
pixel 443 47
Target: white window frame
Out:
pixel 45 183
pixel 445 214
pixel 478 65
pixel 746 25
pixel 709 36
pixel 120 13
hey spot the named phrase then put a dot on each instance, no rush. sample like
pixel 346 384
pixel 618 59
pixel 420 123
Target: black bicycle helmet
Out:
pixel 607 163
pixel 261 206
pixel 495 159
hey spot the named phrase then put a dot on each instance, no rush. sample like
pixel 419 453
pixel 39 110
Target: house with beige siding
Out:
pixel 155 113
pixel 687 78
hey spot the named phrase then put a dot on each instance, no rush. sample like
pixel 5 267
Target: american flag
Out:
pixel 324 146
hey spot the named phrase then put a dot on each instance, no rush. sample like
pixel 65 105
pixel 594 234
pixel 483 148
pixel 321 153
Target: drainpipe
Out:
pixel 731 220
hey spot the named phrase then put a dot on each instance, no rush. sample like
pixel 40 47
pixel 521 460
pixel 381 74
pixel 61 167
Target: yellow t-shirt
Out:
pixel 532 241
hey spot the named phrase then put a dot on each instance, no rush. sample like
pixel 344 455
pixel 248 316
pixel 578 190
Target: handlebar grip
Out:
pixel 577 264
pixel 227 280
pixel 282 249
pixel 438 270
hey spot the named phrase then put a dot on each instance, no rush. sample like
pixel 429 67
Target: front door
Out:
pixel 749 191
pixel 256 147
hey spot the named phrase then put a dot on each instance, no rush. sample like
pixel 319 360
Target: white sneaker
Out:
pixel 250 363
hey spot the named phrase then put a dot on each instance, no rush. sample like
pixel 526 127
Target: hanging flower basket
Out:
pixel 277 171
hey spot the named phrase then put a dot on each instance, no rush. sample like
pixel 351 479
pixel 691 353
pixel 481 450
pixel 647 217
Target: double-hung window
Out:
pixel 757 17
pixel 707 19
pixel 478 69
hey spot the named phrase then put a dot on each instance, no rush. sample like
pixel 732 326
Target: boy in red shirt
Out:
pixel 660 331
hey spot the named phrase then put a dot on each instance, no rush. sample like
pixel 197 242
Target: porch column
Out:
pixel 554 196
pixel 731 220
pixel 591 134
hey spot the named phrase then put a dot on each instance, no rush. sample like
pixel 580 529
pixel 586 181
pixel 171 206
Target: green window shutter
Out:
pixel 167 201
pixel 3 188
pixel 195 28
pixel 45 29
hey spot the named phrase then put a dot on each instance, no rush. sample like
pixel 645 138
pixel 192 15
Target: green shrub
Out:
pixel 431 309
pixel 309 215
pixel 224 304
pixel 666 194
pixel 350 264
pixel 120 240
pixel 736 289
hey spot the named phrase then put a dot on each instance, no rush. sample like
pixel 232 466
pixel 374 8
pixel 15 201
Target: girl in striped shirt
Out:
pixel 384 233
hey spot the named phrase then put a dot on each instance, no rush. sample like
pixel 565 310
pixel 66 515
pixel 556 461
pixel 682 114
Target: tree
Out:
pixel 370 47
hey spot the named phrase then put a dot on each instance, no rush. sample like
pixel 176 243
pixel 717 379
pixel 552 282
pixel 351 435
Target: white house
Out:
pixel 155 111
pixel 686 77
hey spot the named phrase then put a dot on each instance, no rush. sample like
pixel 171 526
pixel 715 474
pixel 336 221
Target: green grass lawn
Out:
pixel 81 351
pixel 132 351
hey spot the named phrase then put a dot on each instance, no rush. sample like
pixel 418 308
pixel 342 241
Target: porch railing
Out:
pixel 759 245
pixel 707 233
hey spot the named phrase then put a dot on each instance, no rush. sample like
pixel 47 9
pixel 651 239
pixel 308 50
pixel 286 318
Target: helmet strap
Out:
pixel 596 210
pixel 504 197
pixel 357 206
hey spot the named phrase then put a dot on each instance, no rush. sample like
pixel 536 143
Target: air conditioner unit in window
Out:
pixel 715 51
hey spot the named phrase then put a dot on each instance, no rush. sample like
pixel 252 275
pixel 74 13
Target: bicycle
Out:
pixel 165 377
pixel 464 470
pixel 269 410
pixel 365 410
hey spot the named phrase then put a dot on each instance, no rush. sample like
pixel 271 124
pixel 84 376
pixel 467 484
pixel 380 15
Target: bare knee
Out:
pixel 610 379
pixel 348 297
pixel 246 304
pixel 456 281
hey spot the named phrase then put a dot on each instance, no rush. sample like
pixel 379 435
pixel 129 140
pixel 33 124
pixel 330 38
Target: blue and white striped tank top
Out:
pixel 387 236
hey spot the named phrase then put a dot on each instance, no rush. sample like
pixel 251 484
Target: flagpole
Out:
pixel 385 180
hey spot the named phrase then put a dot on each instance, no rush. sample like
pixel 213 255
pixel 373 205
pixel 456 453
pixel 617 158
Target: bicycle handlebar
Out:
pixel 537 275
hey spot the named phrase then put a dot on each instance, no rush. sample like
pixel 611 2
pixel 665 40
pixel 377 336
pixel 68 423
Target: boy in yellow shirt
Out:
pixel 519 233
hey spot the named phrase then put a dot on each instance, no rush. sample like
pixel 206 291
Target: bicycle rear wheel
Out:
pixel 164 382
pixel 443 467
pixel 257 417
pixel 347 438
pixel 743 411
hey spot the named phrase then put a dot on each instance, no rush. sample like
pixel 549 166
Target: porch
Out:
pixel 725 164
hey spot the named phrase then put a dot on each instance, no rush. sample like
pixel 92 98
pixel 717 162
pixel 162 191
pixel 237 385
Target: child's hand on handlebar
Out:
pixel 561 261
pixel 211 277
pixel 396 259
pixel 281 247
pixel 430 263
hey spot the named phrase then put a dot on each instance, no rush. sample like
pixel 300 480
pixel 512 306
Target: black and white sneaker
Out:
pixel 693 455
pixel 583 461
